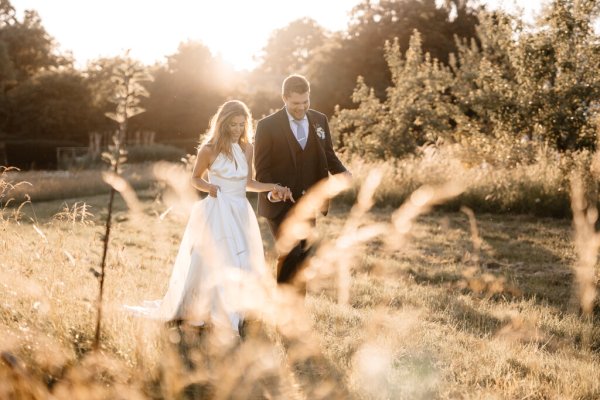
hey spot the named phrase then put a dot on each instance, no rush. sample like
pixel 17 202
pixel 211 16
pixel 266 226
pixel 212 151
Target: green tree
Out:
pixel 487 88
pixel 52 105
pixel 290 48
pixel 361 50
pixel 127 79
pixel 100 75
pixel 538 83
pixel 7 13
pixel 418 107
pixel 184 94
pixel 26 49
pixel 572 86
pixel 29 47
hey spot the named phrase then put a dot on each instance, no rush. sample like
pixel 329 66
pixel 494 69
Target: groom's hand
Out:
pixel 280 193
pixel 284 193
pixel 287 195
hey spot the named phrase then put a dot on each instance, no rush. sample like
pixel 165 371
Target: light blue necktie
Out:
pixel 300 133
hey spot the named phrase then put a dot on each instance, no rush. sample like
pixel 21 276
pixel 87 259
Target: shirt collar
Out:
pixel 293 119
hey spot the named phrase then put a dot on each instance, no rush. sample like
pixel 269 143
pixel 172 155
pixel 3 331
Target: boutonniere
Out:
pixel 320 131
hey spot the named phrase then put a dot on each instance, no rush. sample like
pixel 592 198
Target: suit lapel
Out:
pixel 312 133
pixel 311 128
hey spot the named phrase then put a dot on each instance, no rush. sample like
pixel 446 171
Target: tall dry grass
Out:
pixel 41 186
pixel 395 308
pixel 500 178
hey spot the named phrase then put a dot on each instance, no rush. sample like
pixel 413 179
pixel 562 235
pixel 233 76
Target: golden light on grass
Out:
pixel 385 332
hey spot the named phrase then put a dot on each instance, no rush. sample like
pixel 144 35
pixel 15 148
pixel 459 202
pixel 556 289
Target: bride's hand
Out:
pixel 212 190
pixel 283 193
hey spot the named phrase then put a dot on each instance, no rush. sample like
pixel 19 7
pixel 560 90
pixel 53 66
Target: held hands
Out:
pixel 282 193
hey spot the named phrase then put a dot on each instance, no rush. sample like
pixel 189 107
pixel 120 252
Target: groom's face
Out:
pixel 297 104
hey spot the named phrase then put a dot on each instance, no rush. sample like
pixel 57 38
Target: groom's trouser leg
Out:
pixel 288 265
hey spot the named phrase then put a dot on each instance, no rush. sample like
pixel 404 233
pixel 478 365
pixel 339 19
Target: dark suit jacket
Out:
pixel 275 158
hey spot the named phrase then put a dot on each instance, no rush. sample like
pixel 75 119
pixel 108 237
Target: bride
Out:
pixel 221 249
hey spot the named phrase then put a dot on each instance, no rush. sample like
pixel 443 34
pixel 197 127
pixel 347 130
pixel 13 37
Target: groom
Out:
pixel 293 148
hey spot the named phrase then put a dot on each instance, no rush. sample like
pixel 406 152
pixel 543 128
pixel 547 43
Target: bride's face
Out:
pixel 237 126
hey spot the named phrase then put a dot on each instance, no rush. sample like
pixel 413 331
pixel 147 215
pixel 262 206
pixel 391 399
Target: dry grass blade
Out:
pixel 420 202
pixel 334 257
pixel 297 225
pixel 77 213
pixel 118 183
pixel 181 194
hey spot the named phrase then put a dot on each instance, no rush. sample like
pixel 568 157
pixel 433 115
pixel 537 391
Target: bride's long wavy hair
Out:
pixel 219 134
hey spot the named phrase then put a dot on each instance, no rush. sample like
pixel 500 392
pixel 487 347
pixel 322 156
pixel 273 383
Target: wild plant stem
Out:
pixel 105 250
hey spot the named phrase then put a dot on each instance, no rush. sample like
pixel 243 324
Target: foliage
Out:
pixel 128 89
pixel 360 51
pixel 510 84
pixel 184 94
pixel 505 178
pixel 289 49
pixel 52 105
pixel 29 47
pixel 536 85
pixel 99 78
pixel 26 49
pixel 154 152
pixel 417 109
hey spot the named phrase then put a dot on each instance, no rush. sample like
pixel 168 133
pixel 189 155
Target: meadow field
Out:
pixel 447 305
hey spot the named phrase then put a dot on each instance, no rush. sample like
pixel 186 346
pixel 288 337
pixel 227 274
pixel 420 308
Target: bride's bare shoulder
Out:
pixel 208 152
pixel 247 147
pixel 248 150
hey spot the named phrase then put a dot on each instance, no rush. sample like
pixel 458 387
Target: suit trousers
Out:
pixel 290 264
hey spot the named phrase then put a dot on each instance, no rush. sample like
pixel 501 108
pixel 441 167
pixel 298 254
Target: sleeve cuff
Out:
pixel 270 197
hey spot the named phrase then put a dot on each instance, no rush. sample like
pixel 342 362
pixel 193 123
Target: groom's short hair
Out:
pixel 295 84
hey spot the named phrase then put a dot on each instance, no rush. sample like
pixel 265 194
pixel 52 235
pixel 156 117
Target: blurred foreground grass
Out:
pixel 439 318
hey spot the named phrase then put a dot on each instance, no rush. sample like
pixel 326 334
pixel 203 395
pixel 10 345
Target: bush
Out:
pixel 34 153
pixel 137 155
pixel 503 185
pixel 154 152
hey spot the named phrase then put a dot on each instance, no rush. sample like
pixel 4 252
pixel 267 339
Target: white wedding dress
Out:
pixel 221 256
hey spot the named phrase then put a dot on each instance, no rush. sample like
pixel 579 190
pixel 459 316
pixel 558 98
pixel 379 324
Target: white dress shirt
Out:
pixel 294 125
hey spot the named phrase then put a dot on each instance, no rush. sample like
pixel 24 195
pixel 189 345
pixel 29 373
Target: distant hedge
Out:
pixel 154 152
pixel 41 154
pixel 35 154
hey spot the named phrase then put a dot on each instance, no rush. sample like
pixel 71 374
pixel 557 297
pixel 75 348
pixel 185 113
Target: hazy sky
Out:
pixel 237 30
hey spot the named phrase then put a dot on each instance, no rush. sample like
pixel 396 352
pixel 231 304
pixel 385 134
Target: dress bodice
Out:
pixel 230 175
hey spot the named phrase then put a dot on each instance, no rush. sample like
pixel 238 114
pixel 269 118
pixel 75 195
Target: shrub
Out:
pixel 154 152
pixel 493 184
